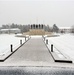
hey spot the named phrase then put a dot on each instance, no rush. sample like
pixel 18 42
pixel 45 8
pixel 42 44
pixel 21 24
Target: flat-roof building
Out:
pixel 12 30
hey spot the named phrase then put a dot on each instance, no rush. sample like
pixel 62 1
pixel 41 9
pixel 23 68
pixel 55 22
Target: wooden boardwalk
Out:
pixel 33 58
pixel 33 53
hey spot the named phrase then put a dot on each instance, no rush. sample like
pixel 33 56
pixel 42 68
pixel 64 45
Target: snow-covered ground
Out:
pixel 63 43
pixel 6 40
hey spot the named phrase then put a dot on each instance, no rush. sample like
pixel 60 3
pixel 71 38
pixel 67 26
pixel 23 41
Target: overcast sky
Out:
pixel 48 12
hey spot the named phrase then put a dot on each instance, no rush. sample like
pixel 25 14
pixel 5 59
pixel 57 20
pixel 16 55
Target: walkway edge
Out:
pixel 56 58
pixel 7 56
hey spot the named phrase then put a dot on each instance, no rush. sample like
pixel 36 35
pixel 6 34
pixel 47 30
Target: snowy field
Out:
pixel 63 45
pixel 6 40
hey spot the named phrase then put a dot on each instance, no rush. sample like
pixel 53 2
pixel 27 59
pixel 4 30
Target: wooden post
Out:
pixel 20 42
pixel 46 41
pixel 25 38
pixel 44 38
pixel 11 48
pixel 51 47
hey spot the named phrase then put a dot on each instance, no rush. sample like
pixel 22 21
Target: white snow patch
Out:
pixel 64 43
pixel 6 40
pixel 36 36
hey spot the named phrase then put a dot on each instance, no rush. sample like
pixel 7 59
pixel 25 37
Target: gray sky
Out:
pixel 59 12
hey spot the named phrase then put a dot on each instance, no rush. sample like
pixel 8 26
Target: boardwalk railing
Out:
pixel 13 48
pixel 57 55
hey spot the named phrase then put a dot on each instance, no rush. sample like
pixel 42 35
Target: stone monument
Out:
pixel 37 29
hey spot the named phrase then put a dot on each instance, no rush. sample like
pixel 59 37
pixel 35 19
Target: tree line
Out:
pixel 25 28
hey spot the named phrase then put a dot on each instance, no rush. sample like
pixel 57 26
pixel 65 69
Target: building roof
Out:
pixel 64 27
pixel 10 29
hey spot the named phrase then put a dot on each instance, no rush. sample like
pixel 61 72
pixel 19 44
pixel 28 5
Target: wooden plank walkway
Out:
pixel 33 58
pixel 33 53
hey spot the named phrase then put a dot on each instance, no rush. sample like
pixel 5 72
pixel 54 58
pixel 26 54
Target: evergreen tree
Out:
pixel 55 28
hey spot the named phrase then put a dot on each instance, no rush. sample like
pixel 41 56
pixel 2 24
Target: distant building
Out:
pixel 12 30
pixel 65 29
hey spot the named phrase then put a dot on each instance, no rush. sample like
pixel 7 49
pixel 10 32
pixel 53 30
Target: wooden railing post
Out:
pixel 20 42
pixel 46 41
pixel 51 47
pixel 25 38
pixel 11 47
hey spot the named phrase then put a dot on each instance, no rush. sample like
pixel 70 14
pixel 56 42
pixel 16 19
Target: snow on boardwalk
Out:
pixel 32 53
pixel 6 40
pixel 64 43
